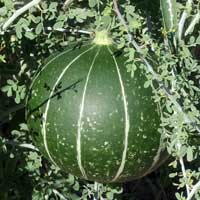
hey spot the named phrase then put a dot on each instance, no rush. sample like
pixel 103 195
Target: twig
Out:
pixel 149 66
pixel 194 190
pixel 183 19
pixel 20 12
pixel 27 146
pixel 63 30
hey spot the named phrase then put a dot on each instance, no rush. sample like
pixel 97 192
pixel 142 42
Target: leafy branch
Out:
pixel 150 67
pixel 35 3
pixel 166 90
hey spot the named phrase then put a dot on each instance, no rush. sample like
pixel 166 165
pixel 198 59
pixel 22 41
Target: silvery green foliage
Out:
pixel 170 43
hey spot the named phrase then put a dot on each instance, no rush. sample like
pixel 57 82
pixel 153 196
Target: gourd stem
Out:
pixel 102 38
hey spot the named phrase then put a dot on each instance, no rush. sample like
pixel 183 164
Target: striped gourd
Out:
pixel 90 118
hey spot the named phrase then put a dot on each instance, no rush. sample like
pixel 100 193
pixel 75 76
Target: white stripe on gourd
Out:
pixel 48 103
pixel 127 122
pixel 78 141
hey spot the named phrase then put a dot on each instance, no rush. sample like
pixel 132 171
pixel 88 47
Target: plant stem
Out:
pixel 20 12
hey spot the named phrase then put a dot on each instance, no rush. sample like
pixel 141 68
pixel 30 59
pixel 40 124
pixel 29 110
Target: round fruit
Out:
pixel 90 118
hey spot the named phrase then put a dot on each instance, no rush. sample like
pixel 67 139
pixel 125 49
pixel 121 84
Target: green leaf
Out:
pixel 18 30
pixel 147 84
pixel 106 20
pixel 3 11
pixel 23 93
pixel 2 58
pixel 136 24
pixel 9 4
pixel 35 19
pixel 33 161
pixel 5 88
pixel 58 25
pixel 39 28
pixel 10 82
pixel 53 6
pixel 76 186
pixel 14 87
pixel 71 179
pixel 172 175
pixel 190 154
pixel 30 35
pixel 23 127
pixel 17 98
pixel 24 23
pixel 9 92
pixel 92 3
pixel 110 195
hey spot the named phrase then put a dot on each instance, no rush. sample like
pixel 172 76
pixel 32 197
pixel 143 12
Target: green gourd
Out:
pixel 90 118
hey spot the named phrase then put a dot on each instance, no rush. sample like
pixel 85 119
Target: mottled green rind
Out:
pixel 103 132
